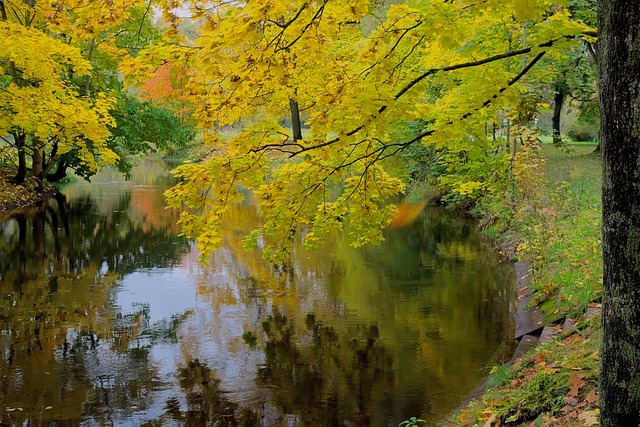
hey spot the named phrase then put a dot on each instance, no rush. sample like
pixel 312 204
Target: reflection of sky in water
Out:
pixel 167 291
pixel 434 314
pixel 211 335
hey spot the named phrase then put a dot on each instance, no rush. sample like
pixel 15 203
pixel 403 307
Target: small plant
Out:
pixel 412 422
pixel 581 131
pixel 499 375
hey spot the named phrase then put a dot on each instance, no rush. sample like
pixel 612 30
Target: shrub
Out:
pixel 582 131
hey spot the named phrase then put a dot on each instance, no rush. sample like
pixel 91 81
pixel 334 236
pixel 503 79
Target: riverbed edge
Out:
pixel 564 354
pixel 17 196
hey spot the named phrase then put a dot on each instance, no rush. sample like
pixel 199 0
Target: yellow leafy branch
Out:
pixel 301 149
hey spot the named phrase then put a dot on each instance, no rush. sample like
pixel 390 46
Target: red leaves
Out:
pixel 575 384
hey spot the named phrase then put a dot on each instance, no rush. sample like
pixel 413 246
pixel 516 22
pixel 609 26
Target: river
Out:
pixel 107 317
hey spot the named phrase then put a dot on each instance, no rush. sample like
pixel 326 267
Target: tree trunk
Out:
pixel 60 173
pixel 296 128
pixel 21 174
pixel 87 81
pixel 619 49
pixel 48 164
pixel 558 101
pixel 37 160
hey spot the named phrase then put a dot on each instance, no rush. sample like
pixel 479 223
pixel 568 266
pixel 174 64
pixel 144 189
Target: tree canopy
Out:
pixel 353 72
pixel 61 95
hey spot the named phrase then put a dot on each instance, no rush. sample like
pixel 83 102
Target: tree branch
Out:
pixel 433 71
pixel 379 153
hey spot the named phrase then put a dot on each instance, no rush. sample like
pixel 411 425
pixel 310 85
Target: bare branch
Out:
pixel 316 16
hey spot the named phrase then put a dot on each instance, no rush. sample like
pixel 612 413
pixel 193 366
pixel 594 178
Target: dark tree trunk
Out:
pixel 296 128
pixel 21 174
pixel 37 160
pixel 558 102
pixel 61 172
pixel 619 49
pixel 49 164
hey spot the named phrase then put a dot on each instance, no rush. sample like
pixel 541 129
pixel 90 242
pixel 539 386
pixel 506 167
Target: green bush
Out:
pixel 582 131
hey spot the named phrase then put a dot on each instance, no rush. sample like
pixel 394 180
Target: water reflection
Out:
pixel 69 354
pixel 108 318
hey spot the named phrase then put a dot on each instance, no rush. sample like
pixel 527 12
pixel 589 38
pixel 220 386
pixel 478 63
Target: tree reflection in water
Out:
pixel 336 380
pixel 343 336
pixel 68 354
pixel 207 404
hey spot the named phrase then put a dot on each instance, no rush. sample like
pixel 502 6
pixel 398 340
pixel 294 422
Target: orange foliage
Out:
pixel 406 214
pixel 166 87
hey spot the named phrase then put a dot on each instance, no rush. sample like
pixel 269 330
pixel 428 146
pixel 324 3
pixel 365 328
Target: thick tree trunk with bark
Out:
pixel 619 48
pixel 558 102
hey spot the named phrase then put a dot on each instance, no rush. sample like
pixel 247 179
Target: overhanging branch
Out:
pixel 292 153
pixel 381 153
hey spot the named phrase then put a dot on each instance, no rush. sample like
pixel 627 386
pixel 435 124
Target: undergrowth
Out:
pixel 554 384
pixel 13 196
pixel 551 219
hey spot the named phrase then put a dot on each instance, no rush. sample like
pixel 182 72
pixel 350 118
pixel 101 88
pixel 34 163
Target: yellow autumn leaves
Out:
pixel 358 70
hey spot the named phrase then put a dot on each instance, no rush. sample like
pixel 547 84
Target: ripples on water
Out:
pixel 108 318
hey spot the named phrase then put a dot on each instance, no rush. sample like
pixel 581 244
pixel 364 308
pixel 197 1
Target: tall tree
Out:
pixel 575 79
pixel 38 104
pixel 619 46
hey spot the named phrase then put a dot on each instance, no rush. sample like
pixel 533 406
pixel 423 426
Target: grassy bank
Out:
pixel 557 227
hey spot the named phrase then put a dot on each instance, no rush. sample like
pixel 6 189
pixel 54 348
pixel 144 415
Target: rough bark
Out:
pixel 558 102
pixel 619 49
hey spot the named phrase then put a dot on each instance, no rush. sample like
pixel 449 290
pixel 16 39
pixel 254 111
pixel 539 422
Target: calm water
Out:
pixel 107 318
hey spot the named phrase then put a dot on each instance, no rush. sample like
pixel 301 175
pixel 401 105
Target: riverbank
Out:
pixel 558 229
pixel 15 196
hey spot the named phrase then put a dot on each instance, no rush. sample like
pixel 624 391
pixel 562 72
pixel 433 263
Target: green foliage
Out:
pixel 412 422
pixel 584 10
pixel 142 127
pixel 581 131
pixel 560 374
pixel 499 375
pixel 553 224
pixel 587 126
pixel 68 179
pixel 543 393
pixel 590 112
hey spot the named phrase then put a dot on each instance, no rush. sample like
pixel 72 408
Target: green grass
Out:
pixel 579 166
pixel 548 140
